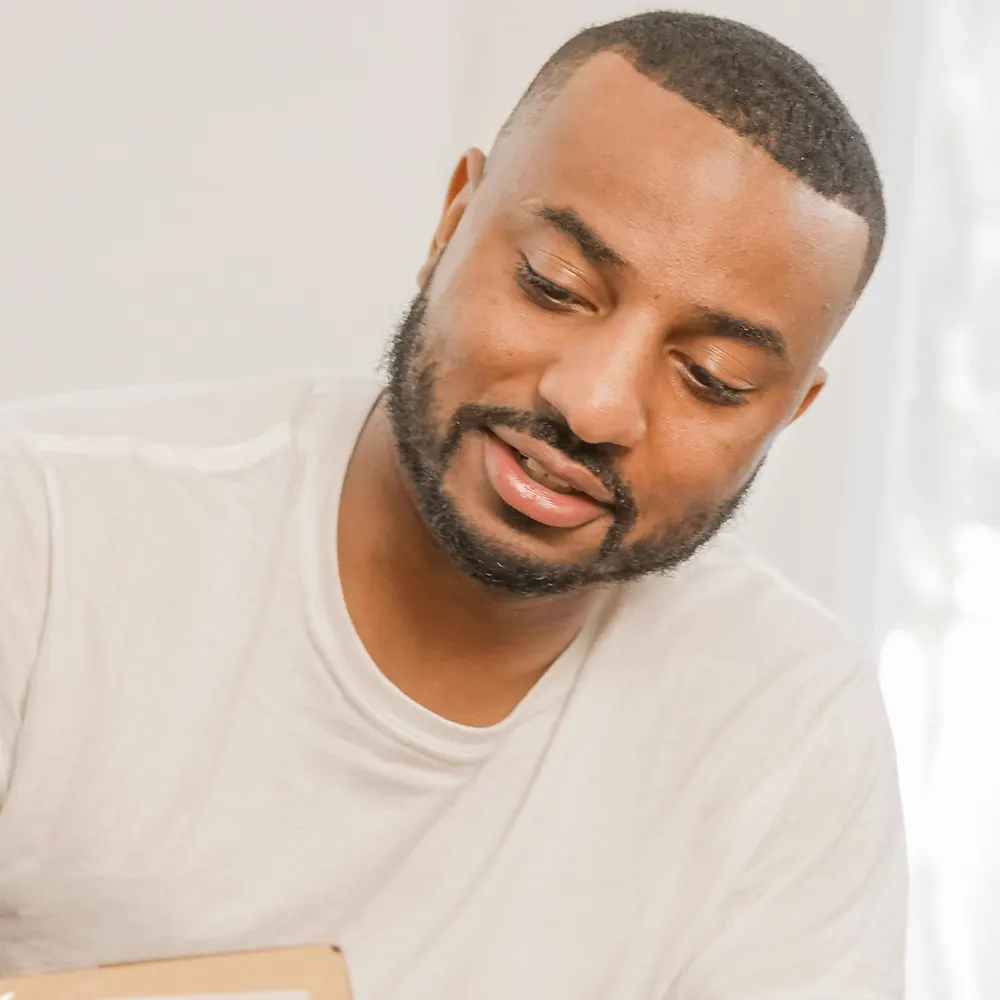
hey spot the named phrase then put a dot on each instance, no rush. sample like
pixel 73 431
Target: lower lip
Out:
pixel 518 490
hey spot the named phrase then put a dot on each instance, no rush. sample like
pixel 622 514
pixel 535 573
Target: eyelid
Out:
pixel 542 284
pixel 724 380
pixel 715 359
pixel 582 282
pixel 729 357
pixel 712 379
pixel 565 264
pixel 722 394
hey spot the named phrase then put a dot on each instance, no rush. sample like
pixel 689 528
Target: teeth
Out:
pixel 545 478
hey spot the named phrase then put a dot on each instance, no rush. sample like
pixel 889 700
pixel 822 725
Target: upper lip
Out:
pixel 556 463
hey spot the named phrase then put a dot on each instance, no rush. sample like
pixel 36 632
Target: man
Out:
pixel 407 672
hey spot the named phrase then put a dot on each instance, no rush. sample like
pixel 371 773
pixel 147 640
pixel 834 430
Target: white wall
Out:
pixel 201 188
pixel 206 188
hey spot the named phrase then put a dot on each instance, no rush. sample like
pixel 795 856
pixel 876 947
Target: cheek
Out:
pixel 481 330
pixel 692 462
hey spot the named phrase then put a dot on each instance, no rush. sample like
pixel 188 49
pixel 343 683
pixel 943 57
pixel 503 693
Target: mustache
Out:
pixel 558 435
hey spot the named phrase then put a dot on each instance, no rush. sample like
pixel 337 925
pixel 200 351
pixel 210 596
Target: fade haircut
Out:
pixel 752 83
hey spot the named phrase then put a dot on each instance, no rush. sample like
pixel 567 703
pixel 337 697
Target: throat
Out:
pixel 465 653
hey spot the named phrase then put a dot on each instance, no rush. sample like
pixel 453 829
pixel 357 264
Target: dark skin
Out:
pixel 632 265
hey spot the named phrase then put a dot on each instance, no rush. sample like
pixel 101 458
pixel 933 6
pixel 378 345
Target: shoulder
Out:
pixel 190 418
pixel 24 502
pixel 729 601
pixel 25 534
pixel 788 731
pixel 738 676
pixel 742 649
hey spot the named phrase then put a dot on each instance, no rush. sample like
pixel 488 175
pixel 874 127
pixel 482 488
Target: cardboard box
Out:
pixel 314 973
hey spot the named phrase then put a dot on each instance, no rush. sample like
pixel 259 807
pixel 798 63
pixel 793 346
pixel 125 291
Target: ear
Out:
pixel 819 381
pixel 464 182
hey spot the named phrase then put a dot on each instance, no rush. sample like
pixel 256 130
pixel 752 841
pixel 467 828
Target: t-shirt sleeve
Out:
pixel 24 583
pixel 820 911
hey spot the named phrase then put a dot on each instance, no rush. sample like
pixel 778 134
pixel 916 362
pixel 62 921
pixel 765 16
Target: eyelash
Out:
pixel 549 295
pixel 714 389
pixel 544 292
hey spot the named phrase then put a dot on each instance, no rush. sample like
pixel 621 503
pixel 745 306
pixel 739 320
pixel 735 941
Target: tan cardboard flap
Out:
pixel 317 973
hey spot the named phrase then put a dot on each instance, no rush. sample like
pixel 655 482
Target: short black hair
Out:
pixel 753 84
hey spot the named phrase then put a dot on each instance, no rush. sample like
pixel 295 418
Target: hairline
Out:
pixel 565 63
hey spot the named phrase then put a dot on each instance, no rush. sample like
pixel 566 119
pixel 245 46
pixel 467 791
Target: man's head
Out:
pixel 624 306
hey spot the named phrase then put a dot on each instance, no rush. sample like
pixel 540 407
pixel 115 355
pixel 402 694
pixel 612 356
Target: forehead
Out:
pixel 700 213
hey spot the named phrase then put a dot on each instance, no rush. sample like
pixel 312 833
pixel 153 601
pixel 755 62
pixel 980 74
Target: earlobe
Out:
pixel 464 181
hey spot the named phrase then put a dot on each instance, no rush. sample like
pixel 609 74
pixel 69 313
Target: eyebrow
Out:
pixel 591 245
pixel 600 254
pixel 765 337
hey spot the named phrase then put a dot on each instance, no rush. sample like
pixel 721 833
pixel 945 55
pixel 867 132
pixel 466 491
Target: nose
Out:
pixel 598 387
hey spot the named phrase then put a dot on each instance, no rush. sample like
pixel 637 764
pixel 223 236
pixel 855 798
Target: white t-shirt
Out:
pixel 697 801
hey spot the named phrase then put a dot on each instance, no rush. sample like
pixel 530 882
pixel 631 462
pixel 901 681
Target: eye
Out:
pixel 544 292
pixel 714 389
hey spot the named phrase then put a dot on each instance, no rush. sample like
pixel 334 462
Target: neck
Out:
pixel 459 648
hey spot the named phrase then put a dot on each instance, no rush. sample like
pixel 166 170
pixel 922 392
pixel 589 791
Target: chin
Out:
pixel 513 532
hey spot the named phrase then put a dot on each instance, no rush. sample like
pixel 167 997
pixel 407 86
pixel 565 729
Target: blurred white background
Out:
pixel 199 189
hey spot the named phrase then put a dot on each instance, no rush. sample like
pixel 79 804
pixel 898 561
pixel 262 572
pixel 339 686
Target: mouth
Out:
pixel 540 483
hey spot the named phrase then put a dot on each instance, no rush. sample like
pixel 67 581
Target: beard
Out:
pixel 425 453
